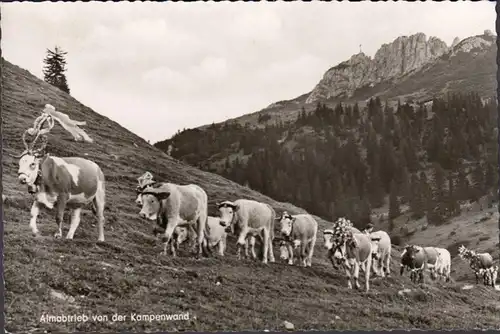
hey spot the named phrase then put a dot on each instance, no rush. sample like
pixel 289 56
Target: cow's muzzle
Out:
pixel 142 215
pixel 23 179
pixel 32 189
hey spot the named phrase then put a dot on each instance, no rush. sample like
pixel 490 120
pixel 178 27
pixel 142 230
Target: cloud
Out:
pixel 158 68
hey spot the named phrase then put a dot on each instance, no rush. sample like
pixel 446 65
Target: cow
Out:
pixel 59 183
pixel 443 265
pixel 354 249
pixel 250 218
pixel 146 180
pixel 490 275
pixel 337 262
pixel 381 252
pixel 215 235
pixel 479 263
pixel 417 259
pixel 301 230
pixel 173 205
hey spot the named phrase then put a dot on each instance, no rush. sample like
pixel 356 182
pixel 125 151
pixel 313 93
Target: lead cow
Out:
pixel 60 183
pixel 176 205
pixel 301 230
pixel 250 218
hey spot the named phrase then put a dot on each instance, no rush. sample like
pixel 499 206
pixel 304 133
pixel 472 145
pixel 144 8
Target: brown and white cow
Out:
pixel 353 250
pixel 60 183
pixel 418 259
pixel 176 205
pixel 301 230
pixel 250 218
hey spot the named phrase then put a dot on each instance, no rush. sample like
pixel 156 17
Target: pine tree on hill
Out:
pixel 54 68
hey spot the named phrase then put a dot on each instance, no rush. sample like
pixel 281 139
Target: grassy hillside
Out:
pixel 126 275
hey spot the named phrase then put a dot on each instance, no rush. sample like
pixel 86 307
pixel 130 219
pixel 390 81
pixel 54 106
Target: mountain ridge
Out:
pixel 479 50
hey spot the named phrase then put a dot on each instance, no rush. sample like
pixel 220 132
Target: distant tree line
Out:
pixel 344 161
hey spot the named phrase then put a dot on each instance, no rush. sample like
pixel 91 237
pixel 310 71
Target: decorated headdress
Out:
pixel 49 114
pixel 341 230
pixel 144 180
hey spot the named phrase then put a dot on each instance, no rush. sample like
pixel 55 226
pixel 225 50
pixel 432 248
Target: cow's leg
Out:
pixel 60 207
pixel 252 247
pixel 312 244
pixel 421 276
pixel 75 221
pixel 265 245
pixel 477 277
pixel 347 268
pixel 246 247
pixel 302 252
pixel 401 270
pixel 242 242
pixel 220 246
pixel 35 210
pixel 99 203
pixel 368 264
pixel 355 275
pixel 387 264
pixel 271 250
pixel 290 253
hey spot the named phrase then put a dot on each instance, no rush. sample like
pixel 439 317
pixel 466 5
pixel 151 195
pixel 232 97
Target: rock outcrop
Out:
pixel 404 55
pixel 474 43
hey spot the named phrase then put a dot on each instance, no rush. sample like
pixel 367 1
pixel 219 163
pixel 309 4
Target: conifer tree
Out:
pixel 54 68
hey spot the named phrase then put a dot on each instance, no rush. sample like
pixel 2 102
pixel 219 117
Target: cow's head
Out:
pixel 286 224
pixel 29 163
pixel 227 210
pixel 151 202
pixel 411 252
pixel 375 247
pixel 180 234
pixel 144 181
pixel 284 250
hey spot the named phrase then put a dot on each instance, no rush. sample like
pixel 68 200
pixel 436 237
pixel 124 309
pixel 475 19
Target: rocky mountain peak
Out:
pixel 456 40
pixel 403 55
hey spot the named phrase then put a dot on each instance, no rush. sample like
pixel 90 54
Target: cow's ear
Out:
pixel 162 195
pixel 236 207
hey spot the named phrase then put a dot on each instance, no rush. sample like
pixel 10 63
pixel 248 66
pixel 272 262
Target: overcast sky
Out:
pixel 156 68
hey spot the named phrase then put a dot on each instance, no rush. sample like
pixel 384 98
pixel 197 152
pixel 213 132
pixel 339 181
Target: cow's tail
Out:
pixel 271 223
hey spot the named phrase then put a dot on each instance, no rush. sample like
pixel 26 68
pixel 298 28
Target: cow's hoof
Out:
pixel 58 235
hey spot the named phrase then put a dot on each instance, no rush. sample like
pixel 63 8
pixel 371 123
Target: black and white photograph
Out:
pixel 236 166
